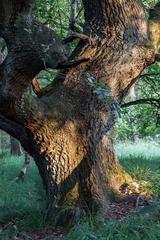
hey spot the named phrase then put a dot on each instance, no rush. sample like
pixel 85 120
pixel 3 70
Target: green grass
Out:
pixel 142 161
pixel 134 227
pixel 24 202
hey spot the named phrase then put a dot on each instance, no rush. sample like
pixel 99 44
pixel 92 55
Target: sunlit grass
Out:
pixel 142 161
pixel 140 149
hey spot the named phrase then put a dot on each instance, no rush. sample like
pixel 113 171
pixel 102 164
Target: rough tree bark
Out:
pixel 67 128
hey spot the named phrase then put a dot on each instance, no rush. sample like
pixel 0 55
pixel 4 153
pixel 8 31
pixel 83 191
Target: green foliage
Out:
pixel 142 120
pixel 56 14
pixel 149 3
pixel 137 121
pixel 53 13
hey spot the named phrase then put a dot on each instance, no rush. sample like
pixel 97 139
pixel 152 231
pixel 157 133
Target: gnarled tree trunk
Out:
pixel 67 128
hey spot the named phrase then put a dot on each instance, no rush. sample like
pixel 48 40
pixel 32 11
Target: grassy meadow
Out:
pixel 22 203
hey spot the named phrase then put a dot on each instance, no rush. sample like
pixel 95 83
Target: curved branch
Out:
pixel 75 35
pixel 14 129
pixel 35 85
pixel 32 47
pixel 152 101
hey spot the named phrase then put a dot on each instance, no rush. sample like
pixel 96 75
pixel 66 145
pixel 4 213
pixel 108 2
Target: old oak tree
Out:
pixel 67 126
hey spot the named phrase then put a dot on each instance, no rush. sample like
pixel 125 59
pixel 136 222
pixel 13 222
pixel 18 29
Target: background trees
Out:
pixel 142 119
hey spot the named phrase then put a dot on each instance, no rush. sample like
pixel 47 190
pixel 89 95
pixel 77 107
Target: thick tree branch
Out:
pixel 14 129
pixel 152 101
pixel 36 86
pixel 32 47
pixel 75 35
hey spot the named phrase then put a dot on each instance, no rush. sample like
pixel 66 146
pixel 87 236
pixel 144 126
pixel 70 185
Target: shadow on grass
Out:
pixel 22 203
